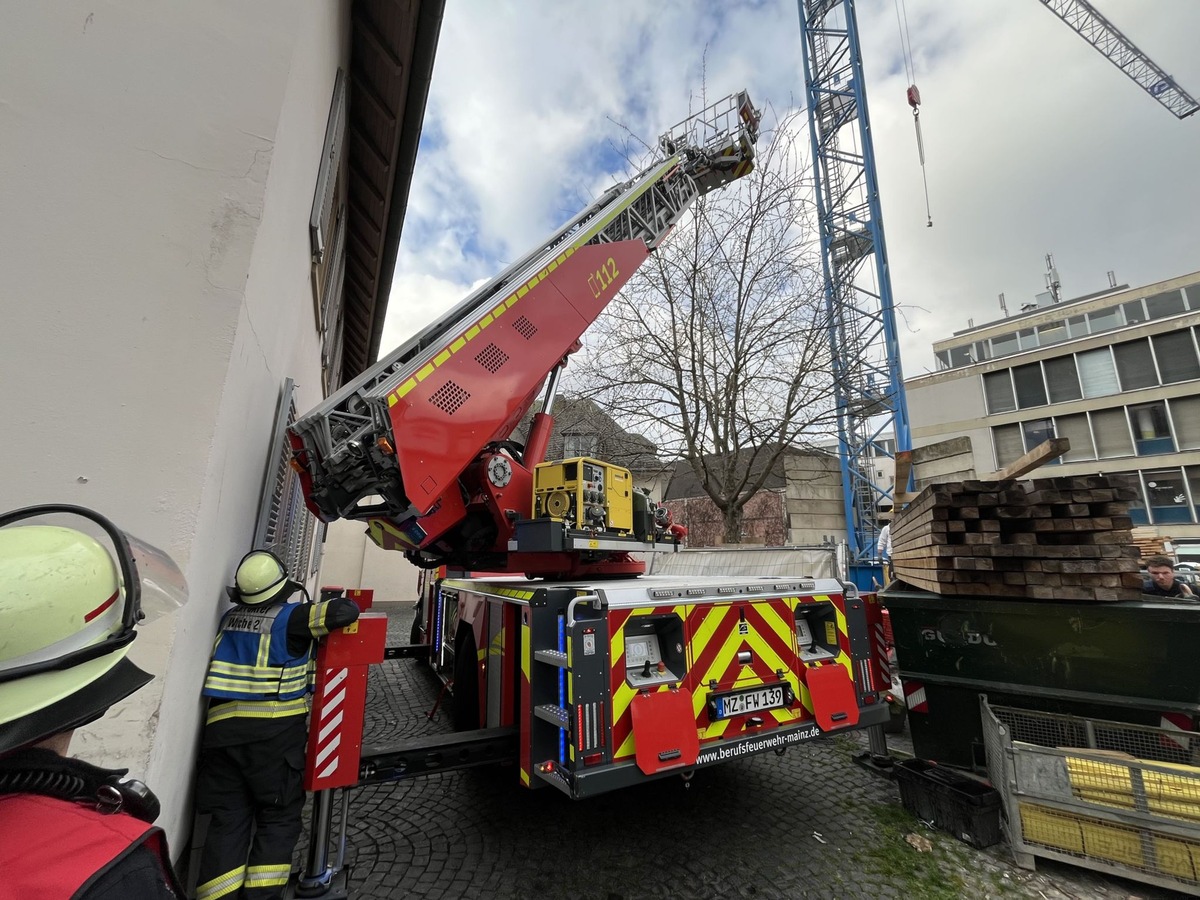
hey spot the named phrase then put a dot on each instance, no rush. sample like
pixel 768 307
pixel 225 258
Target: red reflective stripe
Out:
pixel 101 608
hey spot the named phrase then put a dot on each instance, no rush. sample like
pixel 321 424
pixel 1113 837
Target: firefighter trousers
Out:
pixel 254 793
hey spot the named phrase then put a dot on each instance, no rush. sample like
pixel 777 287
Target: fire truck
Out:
pixel 566 657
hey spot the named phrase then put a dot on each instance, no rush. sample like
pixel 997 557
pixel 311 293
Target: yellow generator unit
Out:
pixel 585 494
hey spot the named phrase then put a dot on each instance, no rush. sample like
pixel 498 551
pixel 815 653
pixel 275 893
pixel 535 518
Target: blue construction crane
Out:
pixel 1102 34
pixel 868 378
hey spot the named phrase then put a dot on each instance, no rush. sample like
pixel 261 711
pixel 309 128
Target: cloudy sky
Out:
pixel 1034 142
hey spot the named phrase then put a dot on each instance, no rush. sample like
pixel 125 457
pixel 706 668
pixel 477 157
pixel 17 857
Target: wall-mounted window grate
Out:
pixel 285 525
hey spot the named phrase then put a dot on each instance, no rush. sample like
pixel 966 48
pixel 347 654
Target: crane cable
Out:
pixel 914 95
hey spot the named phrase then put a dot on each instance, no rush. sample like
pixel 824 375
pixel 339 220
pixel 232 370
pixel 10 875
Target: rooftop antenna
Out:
pixel 1112 278
pixel 1004 306
pixel 1052 283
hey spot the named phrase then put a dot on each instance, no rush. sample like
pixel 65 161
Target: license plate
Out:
pixel 770 696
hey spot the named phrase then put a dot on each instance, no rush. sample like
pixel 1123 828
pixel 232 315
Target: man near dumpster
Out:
pixel 71 592
pixel 1160 580
pixel 252 755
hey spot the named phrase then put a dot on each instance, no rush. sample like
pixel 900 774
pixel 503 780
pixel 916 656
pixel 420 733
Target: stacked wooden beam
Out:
pixel 1148 543
pixel 1065 538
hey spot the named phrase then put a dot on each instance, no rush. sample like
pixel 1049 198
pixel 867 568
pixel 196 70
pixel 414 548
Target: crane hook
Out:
pixel 914 100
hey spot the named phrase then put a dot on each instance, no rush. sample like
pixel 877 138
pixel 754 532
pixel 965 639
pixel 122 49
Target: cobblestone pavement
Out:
pixel 811 823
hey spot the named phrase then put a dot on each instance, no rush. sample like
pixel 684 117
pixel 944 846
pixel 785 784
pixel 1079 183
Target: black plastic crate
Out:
pixel 956 803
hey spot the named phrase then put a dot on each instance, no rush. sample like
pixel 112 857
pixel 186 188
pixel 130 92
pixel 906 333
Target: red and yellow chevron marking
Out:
pixel 745 167
pixel 714 641
pixel 387 536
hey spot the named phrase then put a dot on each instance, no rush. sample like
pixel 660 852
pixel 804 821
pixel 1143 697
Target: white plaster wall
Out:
pixel 351 560
pixel 157 173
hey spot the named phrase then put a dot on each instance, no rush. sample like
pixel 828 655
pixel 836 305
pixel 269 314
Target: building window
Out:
pixel 1176 354
pixel 1031 388
pixel 1104 319
pixel 1077 326
pixel 1052 333
pixel 1097 376
pixel 1162 305
pixel 1028 338
pixel 1135 365
pixel 1193 486
pixel 1167 496
pixel 1151 429
pixel 1137 508
pixel 1135 313
pixel 1008 446
pixel 960 356
pixel 1185 413
pixel 997 387
pixel 1193 295
pixel 1062 379
pixel 1004 344
pixel 943 359
pixel 1076 430
pixel 580 444
pixel 327 236
pixel 1111 430
pixel 1037 431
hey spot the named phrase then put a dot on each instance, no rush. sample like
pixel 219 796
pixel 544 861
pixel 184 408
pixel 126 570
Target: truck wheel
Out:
pixel 466 683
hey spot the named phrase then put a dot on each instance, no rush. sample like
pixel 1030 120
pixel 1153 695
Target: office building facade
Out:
pixel 1117 373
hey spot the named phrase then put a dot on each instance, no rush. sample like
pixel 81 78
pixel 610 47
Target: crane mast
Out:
pixel 1089 24
pixel 862 320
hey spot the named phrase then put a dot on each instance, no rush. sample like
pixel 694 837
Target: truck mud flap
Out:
pixel 664 730
pixel 835 704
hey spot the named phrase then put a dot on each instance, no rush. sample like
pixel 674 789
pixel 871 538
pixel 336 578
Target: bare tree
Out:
pixel 718 348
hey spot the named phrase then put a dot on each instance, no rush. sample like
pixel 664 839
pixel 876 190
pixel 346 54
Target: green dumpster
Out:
pixel 1130 661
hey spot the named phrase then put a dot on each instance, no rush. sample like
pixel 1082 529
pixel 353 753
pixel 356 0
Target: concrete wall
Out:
pixel 157 175
pixel 815 507
pixel 952 460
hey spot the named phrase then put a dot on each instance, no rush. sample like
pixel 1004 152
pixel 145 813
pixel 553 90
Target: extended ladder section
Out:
pixel 392 443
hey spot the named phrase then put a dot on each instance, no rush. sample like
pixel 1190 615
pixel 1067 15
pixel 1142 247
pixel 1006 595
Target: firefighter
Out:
pixel 68 607
pixel 252 755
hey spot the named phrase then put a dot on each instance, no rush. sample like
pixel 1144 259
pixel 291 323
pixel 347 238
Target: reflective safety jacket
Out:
pixel 57 848
pixel 251 663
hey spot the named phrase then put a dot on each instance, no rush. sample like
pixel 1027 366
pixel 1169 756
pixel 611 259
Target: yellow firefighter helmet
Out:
pixel 261 578
pixel 67 615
